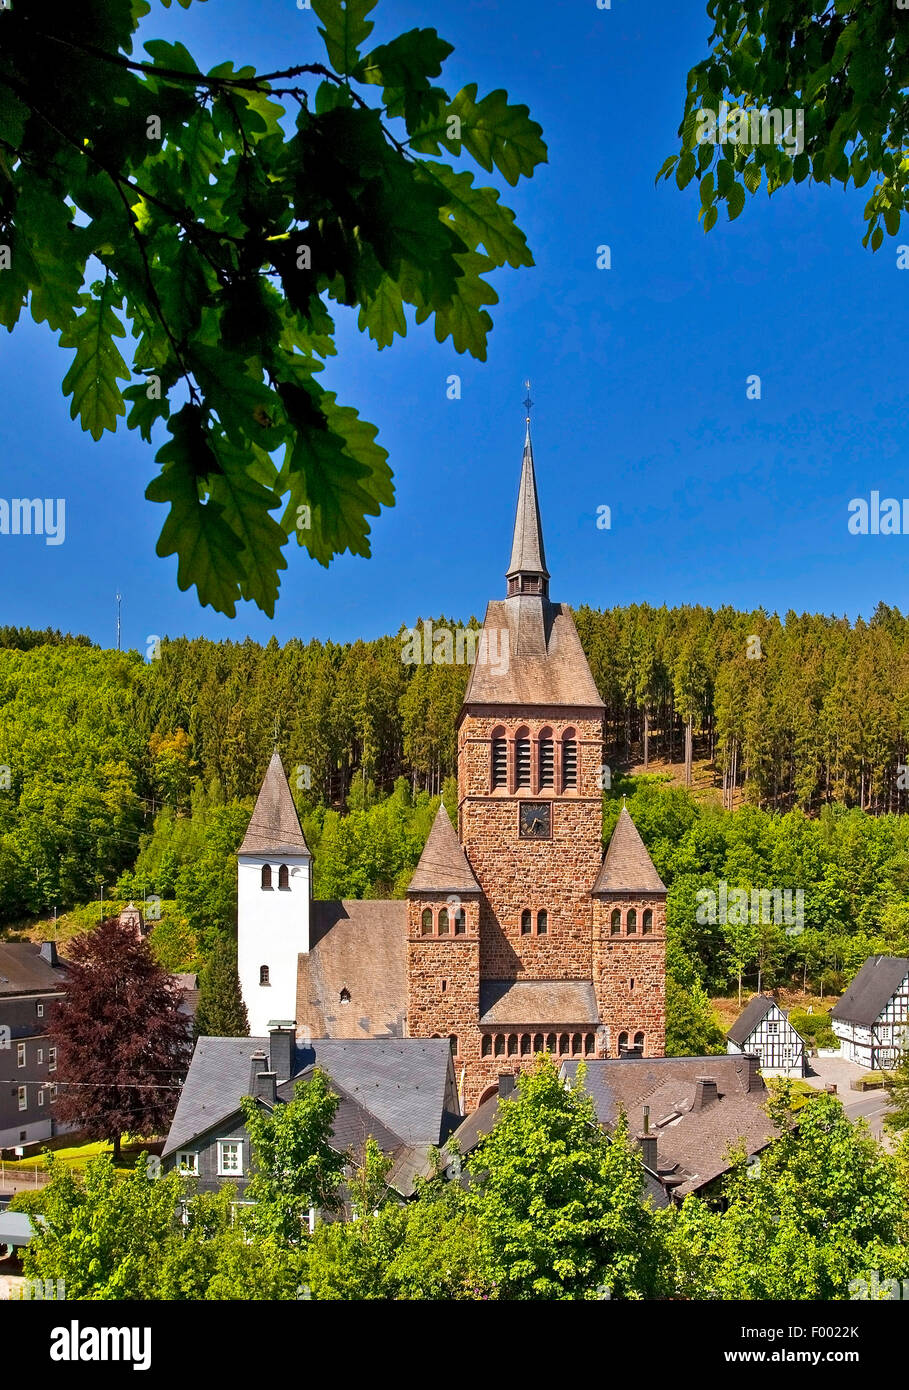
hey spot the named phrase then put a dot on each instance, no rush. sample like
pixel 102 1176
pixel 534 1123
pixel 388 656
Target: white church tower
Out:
pixel 274 889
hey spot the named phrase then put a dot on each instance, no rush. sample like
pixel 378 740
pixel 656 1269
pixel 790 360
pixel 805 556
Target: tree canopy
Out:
pixel 840 70
pixel 202 222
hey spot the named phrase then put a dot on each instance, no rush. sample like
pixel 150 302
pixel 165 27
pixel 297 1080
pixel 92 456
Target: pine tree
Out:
pixel 221 1012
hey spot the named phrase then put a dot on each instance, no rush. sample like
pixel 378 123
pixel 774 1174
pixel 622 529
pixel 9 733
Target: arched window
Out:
pixel 563 1045
pixel 538 1042
pixel 542 922
pixel 443 921
pixel 453 1039
pixel 525 1044
pixel 522 759
pixel 631 922
pixel 499 758
pixel 344 996
pixel 512 1044
pixel 639 1040
pixel 589 1044
pixel 647 922
pixel 486 1045
pixel 546 759
pixel 615 922
pixel 426 922
pixel 263 975
pixel 576 1045
pixel 526 921
pixel 283 876
pixel 623 1043
pixel 459 917
pixel 551 1043
pixel 266 875
pixel 500 1045
pixel 569 760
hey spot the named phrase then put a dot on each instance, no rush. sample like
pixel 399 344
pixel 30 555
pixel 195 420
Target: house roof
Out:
pixel 692 1142
pixel 275 825
pixel 754 1012
pixel 357 946
pixel 443 866
pixel 873 987
pixel 627 867
pixel 530 1002
pixel 23 970
pixel 394 1090
pixel 527 554
pixel 530 654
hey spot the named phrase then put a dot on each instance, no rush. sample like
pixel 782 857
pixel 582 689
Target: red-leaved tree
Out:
pixel 122 1043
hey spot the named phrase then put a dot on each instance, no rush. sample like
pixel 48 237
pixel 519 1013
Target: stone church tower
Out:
pixel 517 935
pixel 521 937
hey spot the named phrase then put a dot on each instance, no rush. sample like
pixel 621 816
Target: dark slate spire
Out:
pixel 275 825
pixel 443 866
pixel 627 868
pixel 527 572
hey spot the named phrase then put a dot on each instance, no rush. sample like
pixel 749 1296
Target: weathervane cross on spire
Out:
pixel 527 401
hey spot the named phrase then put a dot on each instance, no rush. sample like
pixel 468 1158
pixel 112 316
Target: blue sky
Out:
pixel 639 374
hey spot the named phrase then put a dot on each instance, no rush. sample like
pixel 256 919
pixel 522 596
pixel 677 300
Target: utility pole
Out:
pixel 119 596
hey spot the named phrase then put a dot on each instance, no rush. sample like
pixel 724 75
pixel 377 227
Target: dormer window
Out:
pixel 266 876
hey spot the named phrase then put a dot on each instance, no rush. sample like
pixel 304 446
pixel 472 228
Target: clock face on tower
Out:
pixel 535 820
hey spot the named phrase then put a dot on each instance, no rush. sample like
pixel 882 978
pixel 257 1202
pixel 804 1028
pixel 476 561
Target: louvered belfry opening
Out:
pixel 569 763
pixel 522 763
pixel 547 763
pixel 499 762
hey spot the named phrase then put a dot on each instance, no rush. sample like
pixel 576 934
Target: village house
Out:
pixel 32 979
pixel 685 1113
pixel 400 1092
pixel 763 1028
pixel 871 1018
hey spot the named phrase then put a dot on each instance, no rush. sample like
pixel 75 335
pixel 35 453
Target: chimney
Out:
pixel 266 1087
pixel 48 952
pixel 754 1078
pixel 282 1039
pixel 705 1092
pixel 506 1085
pixel 648 1143
pixel 258 1063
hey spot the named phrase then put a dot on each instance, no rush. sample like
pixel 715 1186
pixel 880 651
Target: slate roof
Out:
pixel 545 662
pixel 359 946
pixel 874 985
pixel 531 1002
pixel 443 866
pixel 23 970
pixel 275 825
pixel 692 1143
pixel 627 867
pixel 754 1012
pixel 527 554
pixel 393 1090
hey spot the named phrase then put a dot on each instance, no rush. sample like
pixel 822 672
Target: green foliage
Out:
pixel 101 1234
pixel 897 1083
pixel 221 1012
pixel 224 211
pixel 843 67
pixel 557 1204
pixel 825 1206
pixel 294 1164
pixel 815 1028
pixel 692 1029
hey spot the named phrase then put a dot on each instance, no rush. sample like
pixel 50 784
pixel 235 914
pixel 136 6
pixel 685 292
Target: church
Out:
pixel 517 935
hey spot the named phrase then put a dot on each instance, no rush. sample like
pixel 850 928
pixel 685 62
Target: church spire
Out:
pixel 527 572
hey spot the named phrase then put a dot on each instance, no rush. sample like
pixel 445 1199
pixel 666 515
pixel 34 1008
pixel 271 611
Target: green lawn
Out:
pixel 76 1156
